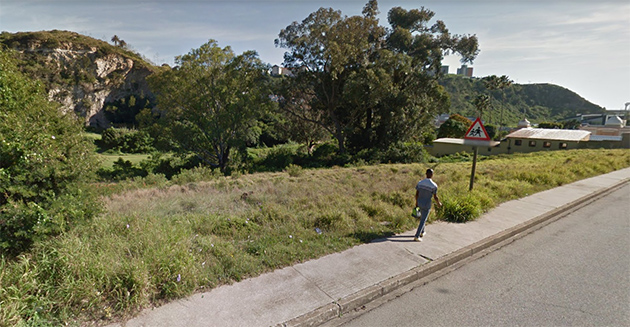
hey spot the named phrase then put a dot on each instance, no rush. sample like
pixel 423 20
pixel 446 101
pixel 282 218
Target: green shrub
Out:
pixel 460 209
pixel 45 163
pixel 167 165
pixel 457 157
pixel 400 152
pixel 550 125
pixel 126 140
pixel 324 152
pixel 196 174
pixel 492 130
pixel 456 126
pixel 278 158
pixel 121 170
pixel 294 170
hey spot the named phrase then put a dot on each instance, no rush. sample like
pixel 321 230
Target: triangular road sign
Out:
pixel 477 131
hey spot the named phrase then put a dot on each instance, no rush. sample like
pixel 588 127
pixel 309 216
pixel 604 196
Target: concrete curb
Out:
pixel 359 299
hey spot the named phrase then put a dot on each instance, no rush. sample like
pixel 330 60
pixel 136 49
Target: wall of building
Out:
pixel 524 145
pixel 606 130
pixel 608 144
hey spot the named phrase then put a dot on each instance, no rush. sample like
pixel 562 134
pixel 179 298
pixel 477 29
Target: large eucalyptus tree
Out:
pixel 366 84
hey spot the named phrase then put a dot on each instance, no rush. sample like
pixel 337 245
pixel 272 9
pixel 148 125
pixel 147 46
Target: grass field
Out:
pixel 108 159
pixel 153 244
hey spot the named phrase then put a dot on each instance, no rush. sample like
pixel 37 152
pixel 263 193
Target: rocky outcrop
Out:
pixel 82 74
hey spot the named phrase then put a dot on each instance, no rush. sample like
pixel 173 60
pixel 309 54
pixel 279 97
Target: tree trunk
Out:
pixel 341 138
pixel 223 152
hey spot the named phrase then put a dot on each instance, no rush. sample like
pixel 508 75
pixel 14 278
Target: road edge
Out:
pixel 359 299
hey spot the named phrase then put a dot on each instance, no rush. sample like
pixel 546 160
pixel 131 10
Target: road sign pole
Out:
pixel 477 136
pixel 474 166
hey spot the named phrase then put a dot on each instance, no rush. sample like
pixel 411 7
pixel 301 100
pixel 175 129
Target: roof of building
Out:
pixel 605 138
pixel 448 140
pixel 551 134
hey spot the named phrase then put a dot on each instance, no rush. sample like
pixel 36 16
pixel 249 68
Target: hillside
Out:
pixel 104 84
pixel 83 74
pixel 537 102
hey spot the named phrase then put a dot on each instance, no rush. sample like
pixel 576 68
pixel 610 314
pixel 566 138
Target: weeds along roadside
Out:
pixel 156 244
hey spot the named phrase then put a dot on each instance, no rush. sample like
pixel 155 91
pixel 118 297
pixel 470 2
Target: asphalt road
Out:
pixel 573 272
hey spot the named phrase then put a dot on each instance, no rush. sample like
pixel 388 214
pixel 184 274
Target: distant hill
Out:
pixel 536 102
pixel 83 74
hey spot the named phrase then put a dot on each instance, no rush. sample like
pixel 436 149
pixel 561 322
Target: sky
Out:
pixel 582 45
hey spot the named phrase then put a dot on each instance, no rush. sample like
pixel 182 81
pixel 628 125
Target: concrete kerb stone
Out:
pixel 365 296
pixel 315 317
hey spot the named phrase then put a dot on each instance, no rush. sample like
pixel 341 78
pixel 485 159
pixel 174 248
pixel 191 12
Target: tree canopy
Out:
pixel 210 103
pixel 368 85
pixel 455 126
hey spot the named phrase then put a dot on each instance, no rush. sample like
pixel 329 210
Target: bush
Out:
pixel 295 170
pixel 324 152
pixel 45 164
pixel 195 175
pixel 460 209
pixel 126 140
pixel 452 128
pixel 456 126
pixel 168 166
pixel 400 152
pixel 278 158
pixel 121 170
pixel 492 130
pixel 550 125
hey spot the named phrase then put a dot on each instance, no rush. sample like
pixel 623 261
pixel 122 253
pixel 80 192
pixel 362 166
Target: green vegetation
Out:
pixel 108 159
pixel 160 240
pixel 67 40
pixel 44 163
pixel 123 112
pixel 211 102
pixel 368 85
pixel 125 140
pixel 537 102
pixel 217 183
pixel 71 66
pixel 455 126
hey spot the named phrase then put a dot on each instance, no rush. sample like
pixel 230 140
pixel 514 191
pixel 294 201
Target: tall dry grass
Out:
pixel 161 243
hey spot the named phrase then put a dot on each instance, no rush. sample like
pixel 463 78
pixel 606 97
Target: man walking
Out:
pixel 425 190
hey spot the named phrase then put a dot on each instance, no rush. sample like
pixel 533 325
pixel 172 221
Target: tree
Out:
pixel 550 125
pixel 482 103
pixel 455 126
pixel 115 40
pixel 367 85
pixel 491 83
pixel 571 124
pixel 210 103
pixel 45 163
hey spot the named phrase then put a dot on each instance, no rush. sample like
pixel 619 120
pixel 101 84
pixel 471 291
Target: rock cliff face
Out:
pixel 83 74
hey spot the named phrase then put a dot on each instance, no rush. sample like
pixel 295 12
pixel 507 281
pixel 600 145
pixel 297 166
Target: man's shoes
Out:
pixel 416 239
pixel 422 234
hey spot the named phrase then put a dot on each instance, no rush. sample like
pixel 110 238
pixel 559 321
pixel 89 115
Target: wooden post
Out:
pixel 474 166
